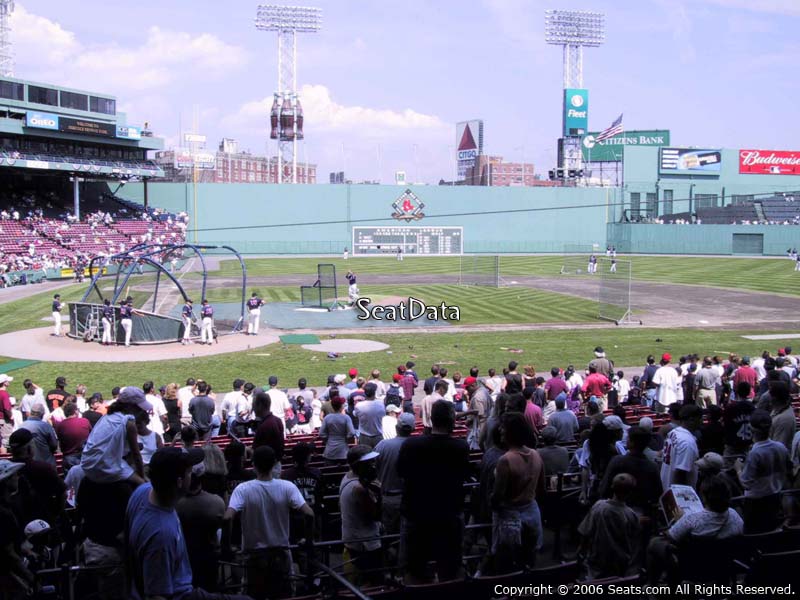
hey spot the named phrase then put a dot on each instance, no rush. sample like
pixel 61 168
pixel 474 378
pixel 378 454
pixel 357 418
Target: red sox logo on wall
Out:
pixel 408 207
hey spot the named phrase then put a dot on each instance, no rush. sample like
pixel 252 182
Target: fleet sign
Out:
pixel 469 145
pixel 610 150
pixel 41 120
pixel 769 162
pixel 576 111
pixel 689 161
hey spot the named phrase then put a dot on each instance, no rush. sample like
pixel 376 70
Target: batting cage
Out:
pixel 323 294
pixel 158 280
pixel 479 270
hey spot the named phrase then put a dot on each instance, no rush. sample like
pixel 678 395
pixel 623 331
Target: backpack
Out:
pixel 393 396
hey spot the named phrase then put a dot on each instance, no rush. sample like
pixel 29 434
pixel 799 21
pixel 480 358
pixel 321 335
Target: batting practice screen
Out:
pixel 428 241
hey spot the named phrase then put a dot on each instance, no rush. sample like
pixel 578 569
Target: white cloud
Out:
pixel 324 115
pixel 48 52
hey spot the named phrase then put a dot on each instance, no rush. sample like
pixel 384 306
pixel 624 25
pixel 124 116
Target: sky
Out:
pixel 385 81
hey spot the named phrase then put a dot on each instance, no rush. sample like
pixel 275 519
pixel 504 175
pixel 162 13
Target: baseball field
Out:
pixel 687 304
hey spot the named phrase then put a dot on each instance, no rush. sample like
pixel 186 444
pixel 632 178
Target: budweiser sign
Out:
pixel 769 162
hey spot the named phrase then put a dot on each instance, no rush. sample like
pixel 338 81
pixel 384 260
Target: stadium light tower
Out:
pixel 6 54
pixel 573 30
pixel 286 116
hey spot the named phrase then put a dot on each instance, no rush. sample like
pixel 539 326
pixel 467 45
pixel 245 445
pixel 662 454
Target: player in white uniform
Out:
pixel 126 318
pixel 254 314
pixel 613 268
pixel 592 268
pixel 352 291
pixel 187 314
pixel 57 307
pixel 345 254
pixel 108 317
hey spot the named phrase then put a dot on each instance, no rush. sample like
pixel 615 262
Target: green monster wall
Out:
pixel 318 219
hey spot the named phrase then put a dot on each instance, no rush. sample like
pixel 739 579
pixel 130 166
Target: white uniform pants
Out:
pixel 352 292
pixel 127 325
pixel 56 322
pixel 796 267
pixel 106 330
pixel 253 321
pixel 614 268
pixel 206 334
pixel 187 328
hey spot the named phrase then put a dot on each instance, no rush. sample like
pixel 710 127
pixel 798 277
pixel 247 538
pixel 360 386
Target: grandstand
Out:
pixel 778 209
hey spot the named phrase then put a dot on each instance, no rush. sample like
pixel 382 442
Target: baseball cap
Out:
pixel 469 381
pixel 360 453
pixel 273 380
pixel 19 439
pixel 599 349
pixel 339 378
pixel 370 389
pixel 5 378
pixel 353 372
pixel 613 422
pixel 393 408
pixel 61 381
pixel 760 420
pixel 711 460
pixel 666 356
pixel 745 360
pixel 134 395
pixel 397 377
pixel 36 527
pixel 646 423
pixel 8 468
pixel 407 421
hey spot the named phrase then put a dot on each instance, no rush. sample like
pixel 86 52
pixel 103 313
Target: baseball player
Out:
pixel 345 254
pixel 352 291
pixel 207 327
pixel 613 268
pixel 796 263
pixel 592 264
pixel 107 318
pixel 57 307
pixel 399 254
pixel 126 316
pixel 187 313
pixel 254 307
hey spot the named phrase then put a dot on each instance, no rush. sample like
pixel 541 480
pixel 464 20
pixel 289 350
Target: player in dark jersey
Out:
pixel 57 306
pixel 254 305
pixel 187 314
pixel 126 318
pixel 107 318
pixel 207 327
pixel 352 291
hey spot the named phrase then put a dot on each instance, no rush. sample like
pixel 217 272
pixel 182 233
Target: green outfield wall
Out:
pixel 318 219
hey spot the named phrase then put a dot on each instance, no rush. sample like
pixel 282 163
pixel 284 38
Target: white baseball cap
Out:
pixel 5 378
pixel 35 527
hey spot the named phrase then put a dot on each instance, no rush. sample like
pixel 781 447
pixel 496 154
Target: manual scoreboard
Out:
pixel 410 240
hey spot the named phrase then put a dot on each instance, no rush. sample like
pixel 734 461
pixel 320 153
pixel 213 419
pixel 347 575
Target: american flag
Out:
pixel 616 128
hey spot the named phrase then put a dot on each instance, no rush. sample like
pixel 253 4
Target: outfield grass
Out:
pixel 478 305
pixel 764 275
pixel 544 349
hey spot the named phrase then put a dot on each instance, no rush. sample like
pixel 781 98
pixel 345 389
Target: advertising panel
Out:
pixel 205 160
pixel 41 120
pixel 194 138
pixel 576 111
pixel 83 127
pixel 690 161
pixel 610 150
pixel 769 162
pixel 129 133
pixel 183 158
pixel 469 145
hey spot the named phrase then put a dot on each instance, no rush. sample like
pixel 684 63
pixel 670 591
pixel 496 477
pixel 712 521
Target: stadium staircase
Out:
pixel 759 208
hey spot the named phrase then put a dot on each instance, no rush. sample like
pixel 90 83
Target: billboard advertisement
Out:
pixel 610 150
pixel 576 111
pixel 469 145
pixel 183 159
pixel 690 161
pixel 41 120
pixel 128 133
pixel 83 127
pixel 769 162
pixel 205 160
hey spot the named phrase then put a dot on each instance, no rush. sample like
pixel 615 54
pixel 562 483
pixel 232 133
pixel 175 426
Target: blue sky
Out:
pixel 384 82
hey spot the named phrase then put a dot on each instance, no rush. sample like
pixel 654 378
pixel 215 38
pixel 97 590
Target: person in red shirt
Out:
pixel 746 373
pixel 533 413
pixel 555 385
pixel 6 418
pixel 72 434
pixel 270 428
pixel 598 385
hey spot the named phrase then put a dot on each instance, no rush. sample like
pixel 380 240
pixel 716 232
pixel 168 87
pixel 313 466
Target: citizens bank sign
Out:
pixel 610 150
pixel 769 162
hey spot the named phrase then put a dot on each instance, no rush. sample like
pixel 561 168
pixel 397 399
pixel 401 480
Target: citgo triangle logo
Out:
pixel 467 141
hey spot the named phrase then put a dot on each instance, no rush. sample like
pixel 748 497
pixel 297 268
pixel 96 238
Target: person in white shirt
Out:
pixel 227 409
pixel 265 505
pixel 623 387
pixel 680 452
pixel 185 395
pixel 668 382
pixel 758 365
pixel 280 401
pixel 375 377
pixel 573 378
pixel 34 395
pixel 494 383
pixel 389 423
pixel 451 386
pixel 158 416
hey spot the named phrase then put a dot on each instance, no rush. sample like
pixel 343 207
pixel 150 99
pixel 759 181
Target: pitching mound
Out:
pixel 346 346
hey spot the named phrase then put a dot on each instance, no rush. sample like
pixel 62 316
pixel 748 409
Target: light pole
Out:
pixel 572 30
pixel 286 116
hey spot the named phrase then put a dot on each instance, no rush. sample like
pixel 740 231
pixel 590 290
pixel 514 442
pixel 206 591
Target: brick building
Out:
pixel 491 170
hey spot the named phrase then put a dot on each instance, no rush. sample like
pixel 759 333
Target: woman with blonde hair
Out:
pixel 215 473
pixel 528 376
pixel 170 398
